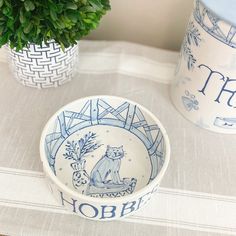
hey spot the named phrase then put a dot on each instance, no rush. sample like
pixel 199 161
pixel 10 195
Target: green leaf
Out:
pixel 53 14
pixel 24 37
pixel 28 28
pixel 1 3
pixel 88 9
pixel 96 4
pixel 84 1
pixel 38 30
pixel 22 17
pixel 71 5
pixel 72 15
pixel 59 24
pixel 88 21
pixel 3 39
pixel 29 5
pixel 62 46
pixel 10 24
pixel 1 30
pixel 60 8
pixel 6 11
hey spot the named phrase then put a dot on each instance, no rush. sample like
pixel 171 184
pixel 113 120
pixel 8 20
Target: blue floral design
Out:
pixel 78 150
pixel 189 101
pixel 192 38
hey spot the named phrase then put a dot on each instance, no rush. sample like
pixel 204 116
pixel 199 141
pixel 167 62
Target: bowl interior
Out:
pixel 104 147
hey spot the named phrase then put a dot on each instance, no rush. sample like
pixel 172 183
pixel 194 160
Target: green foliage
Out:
pixel 37 21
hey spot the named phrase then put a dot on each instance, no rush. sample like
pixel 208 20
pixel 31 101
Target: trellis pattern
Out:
pixel 215 26
pixel 100 112
pixel 44 66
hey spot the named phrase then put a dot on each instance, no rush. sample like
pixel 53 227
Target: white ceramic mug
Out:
pixel 204 89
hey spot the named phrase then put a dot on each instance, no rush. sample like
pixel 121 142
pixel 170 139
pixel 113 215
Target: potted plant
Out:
pixel 77 151
pixel 42 36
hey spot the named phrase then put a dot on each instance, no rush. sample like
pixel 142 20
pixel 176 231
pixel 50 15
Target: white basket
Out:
pixel 43 66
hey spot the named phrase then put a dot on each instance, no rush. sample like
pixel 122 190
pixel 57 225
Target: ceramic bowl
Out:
pixel 104 156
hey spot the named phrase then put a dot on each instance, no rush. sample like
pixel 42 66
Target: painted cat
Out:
pixel 105 173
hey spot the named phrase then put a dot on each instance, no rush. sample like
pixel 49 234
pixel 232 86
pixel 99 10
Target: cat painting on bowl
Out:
pixel 108 165
pixel 105 176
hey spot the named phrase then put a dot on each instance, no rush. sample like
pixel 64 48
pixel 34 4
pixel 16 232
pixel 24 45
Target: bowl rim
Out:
pixel 48 171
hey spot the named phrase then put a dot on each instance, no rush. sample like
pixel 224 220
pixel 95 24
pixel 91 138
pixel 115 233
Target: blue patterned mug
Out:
pixel 104 157
pixel 204 89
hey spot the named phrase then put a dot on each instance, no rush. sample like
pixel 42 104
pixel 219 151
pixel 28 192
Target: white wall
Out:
pixel 158 23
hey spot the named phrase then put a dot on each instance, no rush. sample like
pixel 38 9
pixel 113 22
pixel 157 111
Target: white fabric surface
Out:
pixel 198 192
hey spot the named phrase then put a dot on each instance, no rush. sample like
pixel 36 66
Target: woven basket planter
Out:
pixel 43 66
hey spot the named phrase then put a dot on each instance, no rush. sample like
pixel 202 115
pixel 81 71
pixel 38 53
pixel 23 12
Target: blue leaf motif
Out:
pixel 77 150
pixel 192 38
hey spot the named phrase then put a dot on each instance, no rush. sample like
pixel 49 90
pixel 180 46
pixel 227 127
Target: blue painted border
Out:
pixel 200 12
pixel 154 143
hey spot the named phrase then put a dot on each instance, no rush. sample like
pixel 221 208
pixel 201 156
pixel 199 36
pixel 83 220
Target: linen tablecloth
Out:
pixel 198 193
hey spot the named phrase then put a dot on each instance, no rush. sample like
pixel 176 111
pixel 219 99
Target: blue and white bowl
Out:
pixel 104 156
